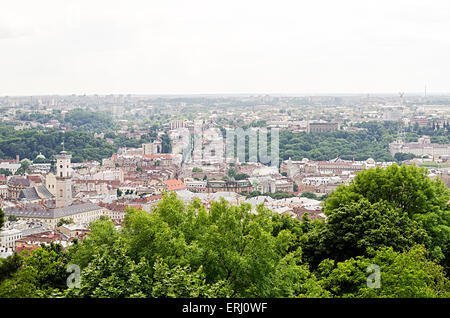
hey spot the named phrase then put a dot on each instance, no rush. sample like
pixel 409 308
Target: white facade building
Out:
pixel 9 237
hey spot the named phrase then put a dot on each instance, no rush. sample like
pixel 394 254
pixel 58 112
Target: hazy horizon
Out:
pixel 410 94
pixel 205 47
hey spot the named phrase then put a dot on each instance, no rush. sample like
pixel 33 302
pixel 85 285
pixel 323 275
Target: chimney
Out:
pixel 17 158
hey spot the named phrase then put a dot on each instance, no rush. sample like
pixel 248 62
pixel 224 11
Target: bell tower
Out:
pixel 63 180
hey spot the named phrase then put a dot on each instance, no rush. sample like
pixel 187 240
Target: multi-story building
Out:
pixel 195 185
pixel 284 185
pixel 321 127
pixel 152 148
pixel 241 186
pixel 420 120
pixel 11 167
pixel 63 180
pixel 423 147
pixel 63 207
pixel 15 185
pixel 174 124
pixel 9 237
pixel 51 215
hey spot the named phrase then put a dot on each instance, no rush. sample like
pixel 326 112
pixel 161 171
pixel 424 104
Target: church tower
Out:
pixel 63 180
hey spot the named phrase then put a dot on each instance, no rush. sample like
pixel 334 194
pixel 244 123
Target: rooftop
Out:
pixel 46 211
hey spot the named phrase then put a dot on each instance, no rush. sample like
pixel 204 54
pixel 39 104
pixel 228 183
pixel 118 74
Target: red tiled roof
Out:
pixel 35 179
pixel 175 184
pixel 152 198
pixel 165 156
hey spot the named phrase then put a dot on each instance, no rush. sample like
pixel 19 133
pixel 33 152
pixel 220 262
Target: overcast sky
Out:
pixel 227 46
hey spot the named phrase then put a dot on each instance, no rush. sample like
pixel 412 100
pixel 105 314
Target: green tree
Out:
pixel 399 156
pixel 21 285
pixel 354 229
pixel 408 274
pixel 5 172
pixel 183 282
pixel 166 143
pixel 408 189
pixel 309 195
pixel 2 218
pixel 112 274
pixel 241 176
pixel 12 218
pixel 232 246
pixel 102 237
pixel 231 172
pixel 42 270
pixel 9 265
pixel 24 165
pixel 65 221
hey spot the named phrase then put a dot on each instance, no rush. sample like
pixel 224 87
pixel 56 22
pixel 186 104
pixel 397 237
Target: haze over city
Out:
pixel 212 47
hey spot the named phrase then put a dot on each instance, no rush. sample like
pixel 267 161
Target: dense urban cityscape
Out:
pixel 69 162
pixel 224 158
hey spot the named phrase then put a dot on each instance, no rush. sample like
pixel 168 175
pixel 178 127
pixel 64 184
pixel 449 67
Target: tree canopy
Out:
pixel 392 220
pixel 408 190
pixel 2 218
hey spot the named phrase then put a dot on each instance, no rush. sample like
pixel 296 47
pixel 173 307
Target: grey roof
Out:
pixel 35 193
pixel 75 209
pixel 259 199
pixel 420 146
pixel 43 192
pixel 34 230
pixel 29 194
pixel 34 210
pixel 16 180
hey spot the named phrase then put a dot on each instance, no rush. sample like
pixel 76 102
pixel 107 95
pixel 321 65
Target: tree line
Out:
pixel 83 145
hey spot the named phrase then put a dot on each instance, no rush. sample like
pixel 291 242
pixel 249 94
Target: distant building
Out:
pixel 423 147
pixel 420 120
pixel 50 183
pixel 321 127
pixel 243 186
pixel 284 185
pixel 9 237
pixel 3 191
pixel 196 185
pixel 152 148
pixel 392 115
pixel 36 208
pixel 48 213
pixel 174 124
pixel 15 185
pixel 73 230
pixel 36 193
pixel 11 167
pixel 174 185
pixel 34 241
pixel 63 180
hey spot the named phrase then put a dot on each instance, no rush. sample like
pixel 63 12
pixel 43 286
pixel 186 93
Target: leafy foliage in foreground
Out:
pixel 410 194
pixel 231 251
